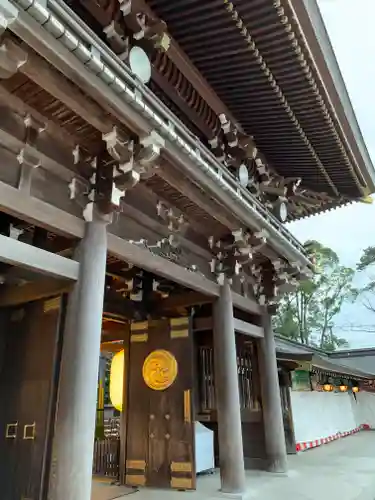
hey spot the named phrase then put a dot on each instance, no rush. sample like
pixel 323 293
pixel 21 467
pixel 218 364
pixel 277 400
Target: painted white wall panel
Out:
pixel 317 415
pixel 364 409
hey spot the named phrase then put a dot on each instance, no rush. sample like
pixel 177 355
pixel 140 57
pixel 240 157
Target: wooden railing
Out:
pixel 106 460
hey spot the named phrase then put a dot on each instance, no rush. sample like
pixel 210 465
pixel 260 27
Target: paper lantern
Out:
pixel 355 388
pixel 328 387
pixel 116 380
pixel 343 388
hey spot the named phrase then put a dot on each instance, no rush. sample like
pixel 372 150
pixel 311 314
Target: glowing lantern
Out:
pixel 355 388
pixel 343 388
pixel 116 381
pixel 328 387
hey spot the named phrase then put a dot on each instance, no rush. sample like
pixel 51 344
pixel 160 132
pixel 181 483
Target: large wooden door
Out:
pixel 31 341
pixel 160 429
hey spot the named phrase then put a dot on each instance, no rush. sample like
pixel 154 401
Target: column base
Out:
pixel 246 495
pixel 277 466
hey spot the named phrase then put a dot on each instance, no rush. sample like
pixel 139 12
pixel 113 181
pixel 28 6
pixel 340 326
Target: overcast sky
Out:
pixel 351 229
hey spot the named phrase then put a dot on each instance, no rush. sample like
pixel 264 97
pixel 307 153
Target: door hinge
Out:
pixel 187 406
pixel 29 431
pixel 11 431
pixel 179 327
pixel 135 480
pixel 181 467
pixel 136 464
pixel 182 483
pixel 139 337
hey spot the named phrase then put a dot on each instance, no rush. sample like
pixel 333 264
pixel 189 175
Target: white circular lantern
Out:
pixel 280 210
pixel 243 175
pixel 139 63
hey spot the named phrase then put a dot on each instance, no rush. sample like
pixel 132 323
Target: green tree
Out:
pixel 366 265
pixel 307 314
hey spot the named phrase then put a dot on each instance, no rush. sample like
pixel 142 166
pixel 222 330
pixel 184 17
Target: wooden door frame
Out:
pixel 53 400
pixel 140 336
pixel 125 405
pixel 42 480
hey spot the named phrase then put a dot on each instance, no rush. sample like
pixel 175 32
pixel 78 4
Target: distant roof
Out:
pixel 354 353
pixel 290 350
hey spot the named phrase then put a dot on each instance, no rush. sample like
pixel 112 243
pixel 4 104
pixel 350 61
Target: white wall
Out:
pixel 364 409
pixel 317 415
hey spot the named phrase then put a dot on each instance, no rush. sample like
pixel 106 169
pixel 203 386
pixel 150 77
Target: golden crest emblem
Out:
pixel 159 370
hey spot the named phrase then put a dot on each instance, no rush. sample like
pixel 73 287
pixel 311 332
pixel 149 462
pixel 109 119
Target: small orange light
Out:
pixel 328 387
pixel 343 388
pixel 355 388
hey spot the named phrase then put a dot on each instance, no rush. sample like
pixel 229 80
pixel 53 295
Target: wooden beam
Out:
pixel 40 72
pixel 202 324
pixel 64 61
pixel 52 154
pixel 143 258
pixel 197 196
pixel 248 329
pixel 187 299
pixel 113 331
pixel 111 347
pixel 40 41
pixel 15 275
pixel 40 213
pixel 195 229
pixel 17 295
pixel 246 304
pixel 134 206
pixel 20 254
pixel 181 103
pixel 21 108
pixel 178 58
pixel 161 228
pixel 187 68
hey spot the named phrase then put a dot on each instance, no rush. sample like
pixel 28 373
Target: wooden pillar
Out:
pixel 71 475
pixel 271 400
pixel 124 413
pixel 232 469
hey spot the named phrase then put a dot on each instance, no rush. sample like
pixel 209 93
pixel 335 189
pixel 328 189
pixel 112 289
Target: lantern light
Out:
pixel 355 388
pixel 343 388
pixel 116 380
pixel 328 387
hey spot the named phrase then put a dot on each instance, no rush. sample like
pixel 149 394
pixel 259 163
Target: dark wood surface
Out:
pixel 250 397
pixel 157 431
pixel 125 406
pixel 286 406
pixel 30 338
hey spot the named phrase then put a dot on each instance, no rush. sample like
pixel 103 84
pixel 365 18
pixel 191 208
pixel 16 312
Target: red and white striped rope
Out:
pixel 306 445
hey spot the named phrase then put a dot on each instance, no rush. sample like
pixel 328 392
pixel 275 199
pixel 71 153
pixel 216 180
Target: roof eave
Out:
pixel 312 24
